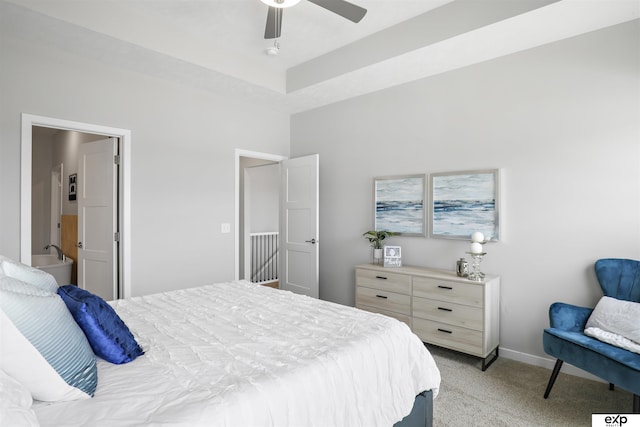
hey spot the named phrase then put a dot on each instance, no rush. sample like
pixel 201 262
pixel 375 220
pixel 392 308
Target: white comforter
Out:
pixel 238 354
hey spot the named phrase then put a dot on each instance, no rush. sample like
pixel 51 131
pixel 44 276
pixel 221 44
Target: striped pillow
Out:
pixel 31 275
pixel 43 347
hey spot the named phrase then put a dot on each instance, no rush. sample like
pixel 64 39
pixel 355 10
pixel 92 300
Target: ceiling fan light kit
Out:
pixel 350 11
pixel 273 50
pixel 280 3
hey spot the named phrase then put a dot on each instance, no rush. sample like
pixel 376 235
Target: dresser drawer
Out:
pixel 384 300
pixel 454 337
pixel 449 313
pixel 401 317
pixel 384 280
pixel 450 291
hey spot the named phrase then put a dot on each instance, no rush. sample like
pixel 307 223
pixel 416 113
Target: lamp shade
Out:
pixel 280 3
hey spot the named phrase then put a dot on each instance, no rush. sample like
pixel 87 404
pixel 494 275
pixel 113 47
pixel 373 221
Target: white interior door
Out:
pixel 299 225
pixel 97 219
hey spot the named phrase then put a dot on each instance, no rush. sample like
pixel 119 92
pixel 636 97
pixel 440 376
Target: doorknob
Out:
pixel 80 245
pixel 312 241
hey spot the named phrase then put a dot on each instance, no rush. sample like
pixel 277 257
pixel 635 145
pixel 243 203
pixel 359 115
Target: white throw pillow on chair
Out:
pixel 616 322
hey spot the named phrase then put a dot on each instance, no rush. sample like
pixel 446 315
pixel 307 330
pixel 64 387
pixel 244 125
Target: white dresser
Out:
pixel 440 307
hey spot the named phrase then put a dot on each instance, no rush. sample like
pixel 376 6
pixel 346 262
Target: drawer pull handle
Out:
pixel 445 331
pixel 381 277
pixel 382 296
pixel 445 287
pixel 445 309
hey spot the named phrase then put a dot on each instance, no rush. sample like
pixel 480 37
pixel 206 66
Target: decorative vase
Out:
pixel 476 259
pixel 377 256
pixel 462 267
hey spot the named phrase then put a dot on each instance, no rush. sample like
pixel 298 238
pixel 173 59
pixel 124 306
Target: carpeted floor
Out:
pixel 509 393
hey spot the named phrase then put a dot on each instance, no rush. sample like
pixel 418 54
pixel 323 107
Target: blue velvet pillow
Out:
pixel 108 335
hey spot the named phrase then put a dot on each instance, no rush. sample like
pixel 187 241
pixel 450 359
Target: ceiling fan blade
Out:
pixel 274 23
pixel 343 8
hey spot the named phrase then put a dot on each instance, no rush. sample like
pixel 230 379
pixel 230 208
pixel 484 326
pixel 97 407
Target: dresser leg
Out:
pixel 486 364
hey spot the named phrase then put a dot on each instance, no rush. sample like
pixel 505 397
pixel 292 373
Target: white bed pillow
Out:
pixel 15 403
pixel 42 346
pixel 32 275
pixel 617 317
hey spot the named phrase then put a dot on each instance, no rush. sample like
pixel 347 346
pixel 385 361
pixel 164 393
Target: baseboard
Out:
pixel 546 363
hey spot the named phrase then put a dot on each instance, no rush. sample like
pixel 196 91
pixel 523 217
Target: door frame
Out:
pixel 57 172
pixel 124 210
pixel 256 155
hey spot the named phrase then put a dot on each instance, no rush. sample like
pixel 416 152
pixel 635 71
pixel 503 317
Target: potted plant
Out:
pixel 375 238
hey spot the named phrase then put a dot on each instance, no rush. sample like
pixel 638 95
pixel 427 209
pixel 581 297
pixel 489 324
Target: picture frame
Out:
pixel 73 186
pixel 393 252
pixel 399 204
pixel 465 202
pixel 392 256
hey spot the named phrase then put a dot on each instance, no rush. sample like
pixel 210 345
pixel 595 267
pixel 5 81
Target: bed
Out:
pixel 240 354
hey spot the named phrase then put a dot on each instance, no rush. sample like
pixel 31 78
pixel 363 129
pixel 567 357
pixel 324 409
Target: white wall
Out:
pixel 182 154
pixel 561 121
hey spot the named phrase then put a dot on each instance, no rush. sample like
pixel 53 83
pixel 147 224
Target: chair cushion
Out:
pixel 625 357
pixel 612 364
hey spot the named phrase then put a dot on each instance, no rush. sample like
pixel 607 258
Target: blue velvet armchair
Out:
pixel 565 340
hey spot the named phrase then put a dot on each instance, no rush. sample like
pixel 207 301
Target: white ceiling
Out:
pixel 323 58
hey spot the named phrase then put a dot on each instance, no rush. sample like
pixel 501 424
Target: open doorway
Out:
pixel 298 216
pixel 41 156
pixel 54 183
pixel 261 222
pixel 257 216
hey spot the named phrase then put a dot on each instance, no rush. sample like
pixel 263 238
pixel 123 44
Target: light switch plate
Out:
pixel 225 227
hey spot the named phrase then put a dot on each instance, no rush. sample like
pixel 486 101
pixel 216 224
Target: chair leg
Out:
pixel 554 375
pixel 636 404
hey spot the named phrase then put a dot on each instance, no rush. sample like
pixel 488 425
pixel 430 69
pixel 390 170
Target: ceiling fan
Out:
pixel 343 8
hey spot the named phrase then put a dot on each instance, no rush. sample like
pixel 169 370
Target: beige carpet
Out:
pixel 509 393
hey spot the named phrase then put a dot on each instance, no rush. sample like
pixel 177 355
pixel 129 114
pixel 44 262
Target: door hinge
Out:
pixel 116 159
pixel 116 236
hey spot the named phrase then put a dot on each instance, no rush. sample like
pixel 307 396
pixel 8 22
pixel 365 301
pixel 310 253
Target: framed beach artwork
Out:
pixel 465 202
pixel 400 204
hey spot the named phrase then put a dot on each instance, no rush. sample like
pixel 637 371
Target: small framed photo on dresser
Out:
pixel 392 256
